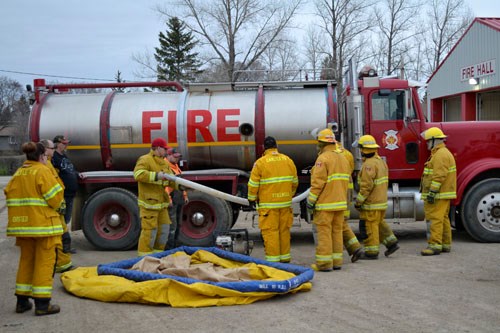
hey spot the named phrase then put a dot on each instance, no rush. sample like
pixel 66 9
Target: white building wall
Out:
pixel 480 44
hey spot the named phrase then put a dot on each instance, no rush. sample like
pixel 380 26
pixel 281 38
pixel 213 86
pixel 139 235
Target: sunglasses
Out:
pixel 50 148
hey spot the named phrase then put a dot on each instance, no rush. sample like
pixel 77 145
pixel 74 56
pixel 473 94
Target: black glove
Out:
pixel 252 204
pixel 357 205
pixel 310 207
pixel 431 197
pixel 62 209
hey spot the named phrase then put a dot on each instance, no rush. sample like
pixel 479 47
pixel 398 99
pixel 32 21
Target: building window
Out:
pixel 452 109
pixel 489 106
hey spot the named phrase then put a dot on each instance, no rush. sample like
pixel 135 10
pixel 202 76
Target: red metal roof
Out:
pixel 492 22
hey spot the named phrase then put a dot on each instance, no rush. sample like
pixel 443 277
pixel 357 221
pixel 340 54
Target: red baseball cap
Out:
pixel 174 153
pixel 159 142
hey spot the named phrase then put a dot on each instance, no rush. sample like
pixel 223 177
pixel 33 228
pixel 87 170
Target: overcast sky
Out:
pixel 91 38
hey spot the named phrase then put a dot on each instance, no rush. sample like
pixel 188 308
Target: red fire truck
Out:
pixel 220 129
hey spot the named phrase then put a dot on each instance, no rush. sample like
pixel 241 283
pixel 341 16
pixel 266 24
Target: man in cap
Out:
pixel 327 198
pixel 63 259
pixel 150 173
pixel 438 187
pixel 69 176
pixel 273 182
pixel 371 201
pixel 177 198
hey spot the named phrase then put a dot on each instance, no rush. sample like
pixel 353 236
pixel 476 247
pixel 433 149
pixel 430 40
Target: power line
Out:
pixel 56 76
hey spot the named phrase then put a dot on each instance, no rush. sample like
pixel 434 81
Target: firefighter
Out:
pixel 351 243
pixel 149 172
pixel 273 182
pixel 35 201
pixel 328 201
pixel 371 201
pixel 349 239
pixel 63 259
pixel 438 188
pixel 177 199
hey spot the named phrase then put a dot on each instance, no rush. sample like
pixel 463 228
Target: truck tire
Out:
pixel 203 217
pixel 481 211
pixel 110 219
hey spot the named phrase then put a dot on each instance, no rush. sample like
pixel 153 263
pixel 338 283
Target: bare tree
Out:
pixel 147 64
pixel 14 108
pixel 237 31
pixel 345 21
pixel 447 20
pixel 282 61
pixel 315 49
pixel 395 20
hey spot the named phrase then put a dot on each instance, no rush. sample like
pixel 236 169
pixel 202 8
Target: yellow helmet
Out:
pixel 433 133
pixel 367 141
pixel 326 135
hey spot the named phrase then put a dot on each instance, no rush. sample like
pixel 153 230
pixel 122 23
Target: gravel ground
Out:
pixel 455 292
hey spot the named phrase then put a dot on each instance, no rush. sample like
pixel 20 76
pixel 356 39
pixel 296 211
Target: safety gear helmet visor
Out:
pixel 366 141
pixel 326 135
pixel 433 133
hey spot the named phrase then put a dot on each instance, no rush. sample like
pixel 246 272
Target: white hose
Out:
pixel 220 194
pixel 206 189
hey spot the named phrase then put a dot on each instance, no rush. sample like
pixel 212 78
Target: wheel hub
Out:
pixel 114 220
pixel 488 211
pixel 198 219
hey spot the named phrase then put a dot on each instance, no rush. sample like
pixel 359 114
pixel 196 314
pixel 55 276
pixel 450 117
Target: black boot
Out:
pixel 66 243
pixel 43 307
pixel 391 249
pixel 23 304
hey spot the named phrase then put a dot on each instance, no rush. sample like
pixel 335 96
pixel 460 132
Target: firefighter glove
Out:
pixel 62 209
pixel 357 205
pixel 160 176
pixel 181 187
pixel 431 197
pixel 252 204
pixel 310 207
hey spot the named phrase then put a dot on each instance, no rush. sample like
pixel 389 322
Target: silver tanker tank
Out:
pixel 212 128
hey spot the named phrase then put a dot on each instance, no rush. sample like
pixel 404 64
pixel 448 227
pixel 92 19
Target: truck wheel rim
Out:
pixel 488 211
pixel 112 221
pixel 198 220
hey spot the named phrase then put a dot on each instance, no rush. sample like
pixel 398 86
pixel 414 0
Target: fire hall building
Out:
pixel 466 85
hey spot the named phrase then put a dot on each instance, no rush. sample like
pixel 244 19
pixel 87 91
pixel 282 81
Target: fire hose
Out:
pixel 220 194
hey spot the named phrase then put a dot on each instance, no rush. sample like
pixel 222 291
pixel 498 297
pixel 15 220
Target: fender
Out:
pixel 471 171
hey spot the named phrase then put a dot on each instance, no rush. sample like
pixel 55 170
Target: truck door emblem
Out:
pixel 391 138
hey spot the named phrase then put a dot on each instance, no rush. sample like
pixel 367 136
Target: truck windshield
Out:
pixel 388 106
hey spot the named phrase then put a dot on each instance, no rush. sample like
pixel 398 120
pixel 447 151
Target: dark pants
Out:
pixel 66 237
pixel 175 214
pixel 69 207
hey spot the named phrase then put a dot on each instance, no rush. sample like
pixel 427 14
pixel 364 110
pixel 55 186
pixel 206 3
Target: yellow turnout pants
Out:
pixel 440 229
pixel 274 225
pixel 155 225
pixel 377 230
pixel 329 249
pixel 35 273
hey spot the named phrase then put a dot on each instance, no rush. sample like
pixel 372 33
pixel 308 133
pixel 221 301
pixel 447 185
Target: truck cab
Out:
pixel 389 109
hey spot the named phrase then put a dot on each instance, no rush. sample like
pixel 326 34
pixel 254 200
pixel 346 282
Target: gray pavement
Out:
pixel 455 292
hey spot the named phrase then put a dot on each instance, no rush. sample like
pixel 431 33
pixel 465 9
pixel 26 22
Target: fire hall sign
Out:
pixel 484 68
